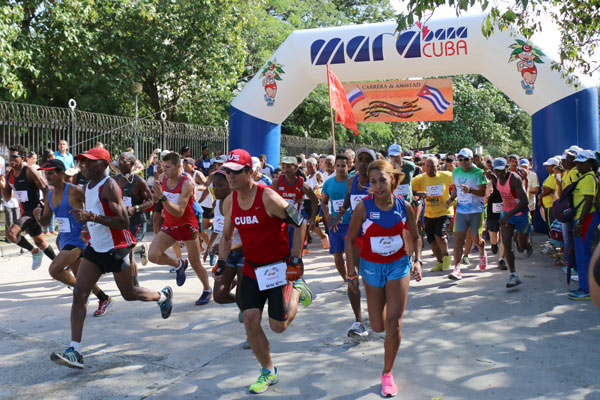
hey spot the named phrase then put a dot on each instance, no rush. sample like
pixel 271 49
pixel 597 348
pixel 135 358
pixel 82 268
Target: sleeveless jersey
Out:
pixel 291 193
pixel 26 191
pixel 130 199
pixel 69 230
pixel 103 238
pixel 381 240
pixel 188 217
pixel 357 194
pixel 509 196
pixel 219 224
pixel 264 238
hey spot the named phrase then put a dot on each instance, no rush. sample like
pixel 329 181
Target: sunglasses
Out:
pixel 230 171
pixel 461 159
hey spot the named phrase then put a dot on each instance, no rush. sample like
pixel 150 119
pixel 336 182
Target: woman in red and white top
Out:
pixel 389 235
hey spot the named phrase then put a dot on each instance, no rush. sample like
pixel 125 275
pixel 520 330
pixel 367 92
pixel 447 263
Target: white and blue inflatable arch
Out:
pixel 562 115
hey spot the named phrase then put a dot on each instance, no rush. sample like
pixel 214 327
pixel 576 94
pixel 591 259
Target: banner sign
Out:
pixel 405 100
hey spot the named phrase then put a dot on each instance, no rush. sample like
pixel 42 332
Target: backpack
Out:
pixel 564 209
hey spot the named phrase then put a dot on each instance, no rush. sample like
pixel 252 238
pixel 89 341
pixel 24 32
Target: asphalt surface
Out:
pixel 468 340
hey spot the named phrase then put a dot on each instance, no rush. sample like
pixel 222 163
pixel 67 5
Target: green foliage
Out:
pixel 11 58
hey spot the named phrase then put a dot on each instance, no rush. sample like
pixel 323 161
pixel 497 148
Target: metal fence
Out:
pixel 41 127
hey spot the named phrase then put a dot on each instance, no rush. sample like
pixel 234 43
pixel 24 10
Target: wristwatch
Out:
pixel 296 261
pixel 137 208
pixel 162 199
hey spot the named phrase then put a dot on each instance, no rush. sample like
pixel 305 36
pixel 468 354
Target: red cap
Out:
pixel 96 153
pixel 237 159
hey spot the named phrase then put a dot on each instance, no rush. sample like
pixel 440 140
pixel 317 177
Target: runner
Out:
pixel 26 183
pixel 515 213
pixel 469 187
pixel 62 198
pixel 389 234
pixel 314 179
pixel 261 215
pixel 137 198
pixel 434 187
pixel 493 211
pixel 335 191
pixel 108 251
pixel 180 224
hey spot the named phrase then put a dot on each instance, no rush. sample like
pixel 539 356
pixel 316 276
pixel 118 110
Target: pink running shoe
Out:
pixel 483 261
pixel 388 387
pixel 455 275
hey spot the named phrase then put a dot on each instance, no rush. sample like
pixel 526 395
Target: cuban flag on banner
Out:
pixel 355 96
pixel 435 97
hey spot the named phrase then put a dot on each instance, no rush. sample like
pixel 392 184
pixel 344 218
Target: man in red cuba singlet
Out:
pixel 176 193
pixel 270 273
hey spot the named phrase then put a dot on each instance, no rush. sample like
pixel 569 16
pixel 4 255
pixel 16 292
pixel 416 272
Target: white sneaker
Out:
pixel 358 329
pixel 455 275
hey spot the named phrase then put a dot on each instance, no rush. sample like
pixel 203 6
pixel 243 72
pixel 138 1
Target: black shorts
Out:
pixel 437 227
pixel 115 260
pixel 207 213
pixel 29 225
pixel 493 225
pixel 69 247
pixel 279 298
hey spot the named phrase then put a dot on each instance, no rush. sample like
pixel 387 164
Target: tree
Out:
pixel 578 22
pixel 12 59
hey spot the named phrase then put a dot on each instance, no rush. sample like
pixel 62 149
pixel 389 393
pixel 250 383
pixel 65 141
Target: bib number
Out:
pixel 464 198
pixel 356 198
pixel 218 224
pixel 271 276
pixel 21 196
pixel 435 190
pixel 172 197
pixel 127 201
pixel 386 245
pixel 64 226
pixel 403 190
pixel 497 208
pixel 336 205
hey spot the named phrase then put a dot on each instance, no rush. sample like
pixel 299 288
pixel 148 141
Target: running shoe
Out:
pixel 266 379
pixel 306 295
pixel 172 270
pixel 305 252
pixel 388 387
pixel 204 298
pixel 530 251
pixel 438 267
pixel 483 261
pixel 144 255
pixel 70 358
pixel 502 265
pixel 446 263
pixel 513 281
pixel 475 250
pixel 325 242
pixel 494 248
pixel 358 329
pixel 166 307
pixel 212 259
pixel 36 259
pixel 465 260
pixel 579 295
pixel 558 255
pixel 246 344
pixel 103 306
pixel 183 264
pixel 455 275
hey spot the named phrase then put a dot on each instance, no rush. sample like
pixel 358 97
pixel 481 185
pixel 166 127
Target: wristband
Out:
pixel 352 277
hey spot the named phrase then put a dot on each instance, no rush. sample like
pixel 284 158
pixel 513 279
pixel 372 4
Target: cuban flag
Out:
pixel 355 96
pixel 435 97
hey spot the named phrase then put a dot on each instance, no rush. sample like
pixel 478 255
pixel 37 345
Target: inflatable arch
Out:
pixel 561 114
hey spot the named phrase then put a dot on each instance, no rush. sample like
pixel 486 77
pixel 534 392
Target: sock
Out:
pixel 49 251
pixel 22 242
pixel 163 298
pixel 76 346
pixel 101 296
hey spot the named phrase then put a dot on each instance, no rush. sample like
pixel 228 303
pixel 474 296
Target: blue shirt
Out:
pixel 67 159
pixel 266 180
pixel 336 191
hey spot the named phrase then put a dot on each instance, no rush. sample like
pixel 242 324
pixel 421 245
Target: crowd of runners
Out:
pixel 253 222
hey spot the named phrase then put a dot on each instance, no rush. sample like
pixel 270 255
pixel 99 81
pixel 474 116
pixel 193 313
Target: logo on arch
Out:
pixel 443 42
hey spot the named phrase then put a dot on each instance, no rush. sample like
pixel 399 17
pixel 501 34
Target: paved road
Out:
pixel 471 340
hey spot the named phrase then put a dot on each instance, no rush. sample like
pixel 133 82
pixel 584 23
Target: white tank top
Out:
pixel 312 181
pixel 208 201
pixel 219 224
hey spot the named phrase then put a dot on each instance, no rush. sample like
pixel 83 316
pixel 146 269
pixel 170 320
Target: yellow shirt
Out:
pixel 570 176
pixel 585 187
pixel 548 200
pixel 438 191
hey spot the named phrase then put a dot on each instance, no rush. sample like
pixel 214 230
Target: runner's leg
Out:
pixel 158 247
pixel 222 286
pixel 396 292
pixel 507 238
pixel 87 276
pixel 124 280
pixel 193 253
pixel 257 338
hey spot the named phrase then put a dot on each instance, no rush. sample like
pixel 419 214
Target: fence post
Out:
pixel 163 117
pixel 73 125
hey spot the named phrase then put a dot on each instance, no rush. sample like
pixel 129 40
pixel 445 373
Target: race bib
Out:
pixel 127 201
pixel 206 164
pixel 271 276
pixel 464 198
pixel 403 190
pixel 291 202
pixel 386 245
pixel 435 190
pixel 64 226
pixel 336 205
pixel 21 196
pixel 172 197
pixel 218 224
pixel 497 208
pixel 355 199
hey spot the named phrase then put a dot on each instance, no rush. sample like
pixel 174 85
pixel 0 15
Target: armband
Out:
pixel 293 216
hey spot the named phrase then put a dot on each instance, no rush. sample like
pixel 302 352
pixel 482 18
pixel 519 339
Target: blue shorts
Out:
pixel 337 239
pixel 377 274
pixel 236 258
pixel 521 222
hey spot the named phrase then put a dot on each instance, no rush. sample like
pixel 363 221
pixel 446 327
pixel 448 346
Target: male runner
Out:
pixel 108 251
pixel 515 214
pixel 137 198
pixel 176 193
pixel 26 183
pixel 61 199
pixel 270 273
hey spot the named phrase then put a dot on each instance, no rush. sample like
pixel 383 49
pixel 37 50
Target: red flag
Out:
pixel 339 102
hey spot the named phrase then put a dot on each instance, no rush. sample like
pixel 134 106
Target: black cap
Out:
pixel 184 149
pixel 54 165
pixel 204 146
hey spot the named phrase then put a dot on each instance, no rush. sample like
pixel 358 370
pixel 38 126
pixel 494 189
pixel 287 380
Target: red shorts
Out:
pixel 181 233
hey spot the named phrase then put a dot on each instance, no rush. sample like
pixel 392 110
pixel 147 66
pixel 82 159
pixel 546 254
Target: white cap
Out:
pixel 466 153
pixel 164 153
pixel 365 150
pixel 575 148
pixel 552 161
pixel 256 163
pixel 584 155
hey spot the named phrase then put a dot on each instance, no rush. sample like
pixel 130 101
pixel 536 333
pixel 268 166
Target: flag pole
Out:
pixel 331 111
